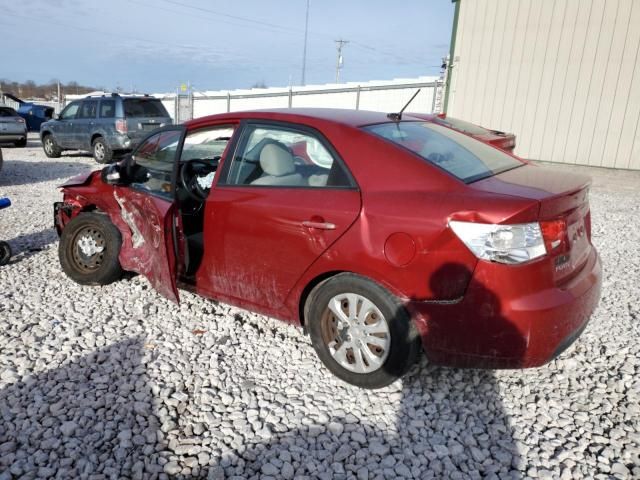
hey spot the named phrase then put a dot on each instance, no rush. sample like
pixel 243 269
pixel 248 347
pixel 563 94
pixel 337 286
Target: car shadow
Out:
pixel 29 244
pixel 80 415
pixel 21 172
pixel 95 415
pixel 450 422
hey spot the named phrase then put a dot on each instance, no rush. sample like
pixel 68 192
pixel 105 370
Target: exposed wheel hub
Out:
pixel 89 249
pixel 89 246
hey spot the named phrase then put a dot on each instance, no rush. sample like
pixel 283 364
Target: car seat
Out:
pixel 278 166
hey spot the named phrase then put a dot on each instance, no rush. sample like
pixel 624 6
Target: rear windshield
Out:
pixel 461 125
pixel 142 107
pixel 7 112
pixel 460 155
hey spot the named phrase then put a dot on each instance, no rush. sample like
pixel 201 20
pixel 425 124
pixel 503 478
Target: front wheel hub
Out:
pixel 89 249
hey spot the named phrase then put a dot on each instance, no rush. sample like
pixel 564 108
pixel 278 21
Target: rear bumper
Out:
pixel 505 321
pixel 120 142
pixel 12 137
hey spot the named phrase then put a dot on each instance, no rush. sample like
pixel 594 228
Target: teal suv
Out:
pixel 106 125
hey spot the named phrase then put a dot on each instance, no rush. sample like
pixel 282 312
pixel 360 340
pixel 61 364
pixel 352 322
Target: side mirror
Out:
pixel 112 174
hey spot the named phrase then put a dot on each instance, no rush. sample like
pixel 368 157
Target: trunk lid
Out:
pixel 564 211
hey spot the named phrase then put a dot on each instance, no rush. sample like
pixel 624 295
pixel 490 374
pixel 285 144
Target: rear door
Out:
pixel 143 115
pixel 147 207
pixel 84 124
pixel 272 214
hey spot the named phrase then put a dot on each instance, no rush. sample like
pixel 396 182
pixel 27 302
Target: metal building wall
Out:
pixel 564 75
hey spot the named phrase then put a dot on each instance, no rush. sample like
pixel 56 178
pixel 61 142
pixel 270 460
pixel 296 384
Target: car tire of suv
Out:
pixel 50 147
pixel 101 151
pixel 89 249
pixel 21 143
pixel 378 315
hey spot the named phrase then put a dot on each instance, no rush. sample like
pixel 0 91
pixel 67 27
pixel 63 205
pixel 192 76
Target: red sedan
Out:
pixel 381 235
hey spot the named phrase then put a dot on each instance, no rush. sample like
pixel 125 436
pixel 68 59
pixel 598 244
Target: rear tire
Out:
pixel 89 249
pixel 5 253
pixel 50 147
pixel 101 151
pixel 369 348
pixel 21 143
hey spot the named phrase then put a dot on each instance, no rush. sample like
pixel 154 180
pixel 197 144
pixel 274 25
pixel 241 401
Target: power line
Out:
pixel 235 17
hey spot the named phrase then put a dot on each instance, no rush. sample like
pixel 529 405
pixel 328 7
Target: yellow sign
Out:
pixel 183 87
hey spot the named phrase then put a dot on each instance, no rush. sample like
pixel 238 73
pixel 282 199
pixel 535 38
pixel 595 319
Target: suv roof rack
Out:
pixel 115 94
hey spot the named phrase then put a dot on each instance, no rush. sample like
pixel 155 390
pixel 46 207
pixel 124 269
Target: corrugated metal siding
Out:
pixel 563 75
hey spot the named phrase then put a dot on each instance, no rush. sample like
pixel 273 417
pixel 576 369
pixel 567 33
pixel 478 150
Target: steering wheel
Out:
pixel 191 171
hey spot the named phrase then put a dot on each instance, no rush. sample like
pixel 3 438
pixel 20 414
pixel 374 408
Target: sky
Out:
pixel 157 45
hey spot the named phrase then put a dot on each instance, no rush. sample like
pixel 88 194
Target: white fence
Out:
pixel 388 96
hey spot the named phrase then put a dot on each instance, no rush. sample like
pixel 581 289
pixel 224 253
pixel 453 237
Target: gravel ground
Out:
pixel 116 382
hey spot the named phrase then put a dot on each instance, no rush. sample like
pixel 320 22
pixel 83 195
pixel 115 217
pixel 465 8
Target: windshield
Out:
pixel 460 155
pixel 461 125
pixel 139 107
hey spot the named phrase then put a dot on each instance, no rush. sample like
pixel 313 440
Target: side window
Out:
pixel 88 109
pixel 278 156
pixel 107 109
pixel 153 163
pixel 70 111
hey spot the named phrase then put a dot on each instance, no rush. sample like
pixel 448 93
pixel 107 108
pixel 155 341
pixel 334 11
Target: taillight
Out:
pixel 21 120
pixel 509 244
pixel 554 233
pixel 121 126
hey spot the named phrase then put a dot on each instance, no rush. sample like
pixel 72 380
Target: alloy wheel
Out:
pixel 98 150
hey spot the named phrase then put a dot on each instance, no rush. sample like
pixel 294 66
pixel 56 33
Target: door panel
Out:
pixel 83 124
pixel 259 241
pixel 151 252
pixel 147 206
pixel 63 127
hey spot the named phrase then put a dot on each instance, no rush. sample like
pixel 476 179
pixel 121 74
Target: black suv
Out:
pixel 103 124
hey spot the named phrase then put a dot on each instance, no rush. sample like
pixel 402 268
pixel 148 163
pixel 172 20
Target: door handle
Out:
pixel 319 225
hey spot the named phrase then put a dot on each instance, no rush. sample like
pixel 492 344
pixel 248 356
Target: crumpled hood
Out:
pixel 81 179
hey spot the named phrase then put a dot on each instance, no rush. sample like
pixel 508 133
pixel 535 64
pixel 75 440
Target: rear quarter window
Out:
pixel 107 109
pixel 458 154
pixel 142 107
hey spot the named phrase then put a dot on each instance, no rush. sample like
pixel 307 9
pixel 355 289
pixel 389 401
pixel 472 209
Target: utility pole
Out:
pixel 304 51
pixel 59 99
pixel 339 61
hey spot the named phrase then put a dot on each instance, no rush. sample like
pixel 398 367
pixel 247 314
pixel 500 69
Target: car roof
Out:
pixel 353 118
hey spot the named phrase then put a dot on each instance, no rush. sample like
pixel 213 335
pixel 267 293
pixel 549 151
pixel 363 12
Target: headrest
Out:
pixel 276 160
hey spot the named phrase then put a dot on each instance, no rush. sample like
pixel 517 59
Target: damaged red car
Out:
pixel 382 235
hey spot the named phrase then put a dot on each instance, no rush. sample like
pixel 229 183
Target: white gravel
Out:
pixel 116 382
